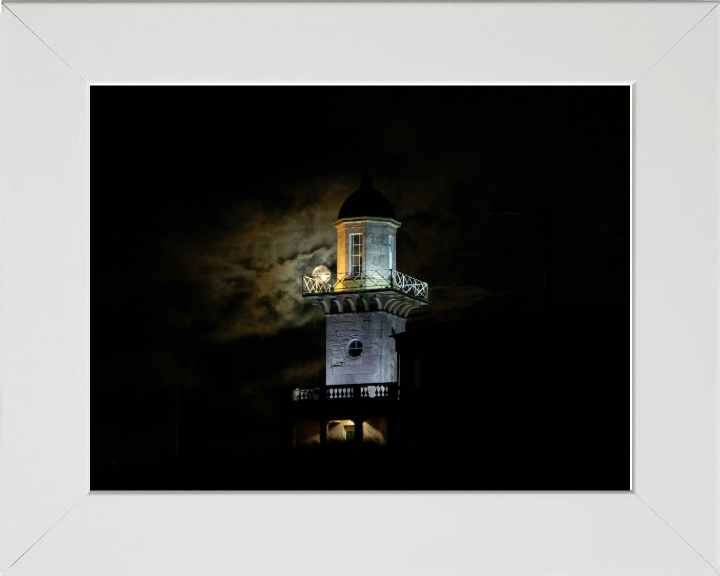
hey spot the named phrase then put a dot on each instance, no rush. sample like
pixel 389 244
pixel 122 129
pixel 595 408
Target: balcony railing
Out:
pixel 347 392
pixel 371 280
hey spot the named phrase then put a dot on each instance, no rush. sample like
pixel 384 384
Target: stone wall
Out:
pixel 377 363
pixel 376 241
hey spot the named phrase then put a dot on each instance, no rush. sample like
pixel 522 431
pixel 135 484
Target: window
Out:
pixel 390 244
pixel 355 348
pixel 355 253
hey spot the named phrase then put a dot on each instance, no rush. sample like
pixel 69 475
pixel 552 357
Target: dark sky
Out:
pixel 209 203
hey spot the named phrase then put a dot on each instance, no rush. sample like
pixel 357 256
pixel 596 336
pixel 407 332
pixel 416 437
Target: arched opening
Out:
pixel 347 305
pixel 375 431
pixel 341 431
pixel 374 304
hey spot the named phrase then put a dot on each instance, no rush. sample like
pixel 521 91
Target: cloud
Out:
pixel 247 276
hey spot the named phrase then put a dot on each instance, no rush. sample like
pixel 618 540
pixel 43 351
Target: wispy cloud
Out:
pixel 248 277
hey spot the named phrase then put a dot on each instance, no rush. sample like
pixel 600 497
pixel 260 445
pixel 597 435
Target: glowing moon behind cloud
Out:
pixel 323 272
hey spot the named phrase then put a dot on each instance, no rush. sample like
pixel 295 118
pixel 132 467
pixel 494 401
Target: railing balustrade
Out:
pixel 370 280
pixel 346 392
pixel 300 394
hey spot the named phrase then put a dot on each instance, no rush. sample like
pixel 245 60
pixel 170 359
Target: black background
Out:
pixel 177 171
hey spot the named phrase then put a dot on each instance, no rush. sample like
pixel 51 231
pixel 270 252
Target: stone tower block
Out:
pixel 378 361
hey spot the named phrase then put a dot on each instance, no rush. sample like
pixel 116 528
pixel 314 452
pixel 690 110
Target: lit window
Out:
pixel 355 348
pixel 390 253
pixel 356 253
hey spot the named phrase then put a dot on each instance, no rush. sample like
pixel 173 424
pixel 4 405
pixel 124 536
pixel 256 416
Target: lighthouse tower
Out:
pixel 367 300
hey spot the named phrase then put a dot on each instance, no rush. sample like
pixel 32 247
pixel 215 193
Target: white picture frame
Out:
pixel 50 53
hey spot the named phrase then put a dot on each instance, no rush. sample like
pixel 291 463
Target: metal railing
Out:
pixel 370 280
pixel 346 392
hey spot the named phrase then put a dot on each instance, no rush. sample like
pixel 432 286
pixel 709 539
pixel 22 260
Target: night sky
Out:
pixel 210 203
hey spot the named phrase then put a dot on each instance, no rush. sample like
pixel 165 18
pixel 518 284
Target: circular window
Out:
pixel 355 348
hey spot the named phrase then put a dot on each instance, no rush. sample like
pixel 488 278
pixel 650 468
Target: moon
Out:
pixel 323 272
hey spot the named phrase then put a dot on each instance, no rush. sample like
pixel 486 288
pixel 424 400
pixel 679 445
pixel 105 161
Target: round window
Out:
pixel 355 348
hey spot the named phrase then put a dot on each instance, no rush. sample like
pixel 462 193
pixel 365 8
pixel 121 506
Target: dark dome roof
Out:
pixel 366 201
